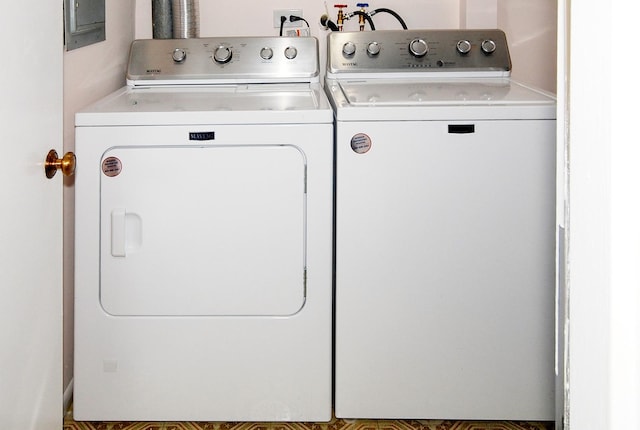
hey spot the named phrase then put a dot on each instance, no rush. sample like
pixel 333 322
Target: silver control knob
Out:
pixel 488 46
pixel 179 55
pixel 349 49
pixel 418 48
pixel 290 52
pixel 222 54
pixel 373 48
pixel 266 53
pixel 463 46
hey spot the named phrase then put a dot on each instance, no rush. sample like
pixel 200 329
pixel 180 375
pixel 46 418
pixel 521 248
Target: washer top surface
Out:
pixel 439 92
pixel 428 74
pixel 415 99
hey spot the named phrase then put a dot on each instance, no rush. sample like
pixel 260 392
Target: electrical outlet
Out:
pixel 277 13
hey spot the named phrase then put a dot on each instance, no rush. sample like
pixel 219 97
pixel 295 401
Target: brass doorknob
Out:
pixel 52 164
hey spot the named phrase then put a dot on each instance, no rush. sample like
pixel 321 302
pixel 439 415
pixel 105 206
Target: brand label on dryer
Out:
pixel 360 143
pixel 202 135
pixel 111 166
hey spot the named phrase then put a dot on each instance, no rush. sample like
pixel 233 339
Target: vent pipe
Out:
pixel 186 19
pixel 162 19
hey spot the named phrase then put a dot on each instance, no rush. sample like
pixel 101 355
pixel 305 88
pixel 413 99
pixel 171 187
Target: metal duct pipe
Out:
pixel 162 19
pixel 186 19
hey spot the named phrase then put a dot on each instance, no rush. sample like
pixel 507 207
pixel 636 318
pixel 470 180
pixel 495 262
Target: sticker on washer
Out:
pixel 361 143
pixel 111 166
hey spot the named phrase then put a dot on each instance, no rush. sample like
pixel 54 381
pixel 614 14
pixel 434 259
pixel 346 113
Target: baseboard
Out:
pixel 66 397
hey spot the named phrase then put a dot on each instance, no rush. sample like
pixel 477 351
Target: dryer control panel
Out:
pixel 220 60
pixel 463 52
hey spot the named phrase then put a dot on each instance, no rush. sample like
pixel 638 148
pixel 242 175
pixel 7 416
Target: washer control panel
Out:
pixel 384 51
pixel 223 60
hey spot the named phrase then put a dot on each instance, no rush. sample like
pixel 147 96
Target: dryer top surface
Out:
pixel 222 104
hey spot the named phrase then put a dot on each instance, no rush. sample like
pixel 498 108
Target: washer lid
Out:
pixel 425 98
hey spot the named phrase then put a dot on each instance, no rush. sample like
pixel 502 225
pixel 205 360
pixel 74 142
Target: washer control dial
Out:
pixel 266 53
pixel 463 46
pixel 488 46
pixel 222 54
pixel 349 49
pixel 179 55
pixel 418 48
pixel 373 48
pixel 290 52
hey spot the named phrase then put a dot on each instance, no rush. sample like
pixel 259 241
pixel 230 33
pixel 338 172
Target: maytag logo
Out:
pixel 202 135
pixel 154 71
pixel 352 64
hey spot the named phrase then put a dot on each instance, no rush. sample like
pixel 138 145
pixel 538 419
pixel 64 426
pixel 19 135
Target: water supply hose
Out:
pixel 363 15
pixel 391 12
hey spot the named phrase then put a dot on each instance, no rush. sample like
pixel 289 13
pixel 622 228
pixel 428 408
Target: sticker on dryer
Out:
pixel 360 143
pixel 111 166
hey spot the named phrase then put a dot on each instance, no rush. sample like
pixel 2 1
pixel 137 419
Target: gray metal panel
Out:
pixel 151 61
pixel 84 23
pixel 395 55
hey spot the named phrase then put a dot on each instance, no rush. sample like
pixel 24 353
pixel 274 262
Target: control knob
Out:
pixel 418 48
pixel 349 49
pixel 463 46
pixel 488 46
pixel 266 53
pixel 179 55
pixel 222 54
pixel 290 52
pixel 373 48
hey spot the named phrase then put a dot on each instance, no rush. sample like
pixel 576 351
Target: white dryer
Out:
pixel 203 272
pixel 445 221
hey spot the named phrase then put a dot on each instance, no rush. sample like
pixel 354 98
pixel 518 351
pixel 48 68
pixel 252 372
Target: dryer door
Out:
pixel 203 230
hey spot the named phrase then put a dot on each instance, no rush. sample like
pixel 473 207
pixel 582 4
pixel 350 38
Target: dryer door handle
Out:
pixel 118 233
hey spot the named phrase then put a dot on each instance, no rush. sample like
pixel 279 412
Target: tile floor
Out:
pixel 334 424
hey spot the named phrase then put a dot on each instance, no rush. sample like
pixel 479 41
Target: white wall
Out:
pixel 89 74
pixel 589 257
pixel 240 19
pixel 625 231
pixel 531 28
pixel 604 234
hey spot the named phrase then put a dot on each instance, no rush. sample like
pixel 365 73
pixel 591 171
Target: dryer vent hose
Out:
pixel 175 19
pixel 162 19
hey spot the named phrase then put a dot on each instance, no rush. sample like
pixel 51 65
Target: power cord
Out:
pixel 294 18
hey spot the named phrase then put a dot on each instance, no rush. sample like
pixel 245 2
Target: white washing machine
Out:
pixel 445 220
pixel 203 273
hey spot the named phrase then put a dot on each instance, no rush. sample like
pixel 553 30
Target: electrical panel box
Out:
pixel 84 22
